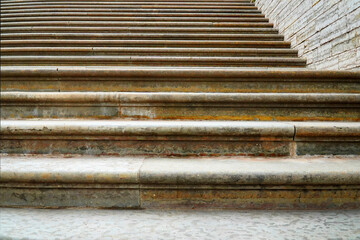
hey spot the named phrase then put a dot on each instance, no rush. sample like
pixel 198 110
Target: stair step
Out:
pixel 147 43
pixel 119 10
pixel 122 1
pixel 160 19
pixel 140 24
pixel 193 106
pixel 152 61
pixel 177 79
pixel 140 30
pixel 179 138
pixel 147 51
pixel 45 1
pixel 70 4
pixel 131 14
pixel 145 182
pixel 142 36
pixel 131 6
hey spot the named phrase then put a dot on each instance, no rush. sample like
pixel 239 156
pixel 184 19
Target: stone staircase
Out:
pixel 168 104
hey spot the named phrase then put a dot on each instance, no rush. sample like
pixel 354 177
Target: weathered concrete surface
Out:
pixel 111 224
pixel 326 33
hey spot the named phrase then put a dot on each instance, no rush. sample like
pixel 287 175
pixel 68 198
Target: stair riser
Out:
pixel 268 199
pixel 220 1
pixel 129 14
pixel 179 147
pixel 139 30
pixel 147 36
pixel 242 112
pixel 145 43
pixel 165 147
pixel 170 52
pixel 137 19
pixel 119 4
pixel 150 6
pixel 234 63
pixel 241 85
pixel 139 24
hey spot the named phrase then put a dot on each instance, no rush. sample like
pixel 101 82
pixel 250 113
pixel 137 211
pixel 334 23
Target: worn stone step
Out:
pixel 177 79
pixel 119 10
pixel 104 29
pixel 199 106
pixel 45 1
pixel 139 24
pixel 179 138
pixel 119 3
pixel 132 14
pixel 146 43
pixel 131 6
pixel 148 51
pixel 171 183
pixel 142 36
pixel 126 19
pixel 153 61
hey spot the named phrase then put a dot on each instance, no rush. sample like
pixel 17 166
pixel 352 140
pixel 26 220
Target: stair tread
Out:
pixel 274 72
pixel 177 97
pixel 185 128
pixel 321 170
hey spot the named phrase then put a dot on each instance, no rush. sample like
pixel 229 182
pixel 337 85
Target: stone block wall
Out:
pixel 326 32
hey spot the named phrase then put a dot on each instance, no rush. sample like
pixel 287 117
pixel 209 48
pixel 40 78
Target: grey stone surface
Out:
pixel 31 224
pixel 326 33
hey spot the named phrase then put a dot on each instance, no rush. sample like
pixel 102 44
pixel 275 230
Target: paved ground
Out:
pixel 137 224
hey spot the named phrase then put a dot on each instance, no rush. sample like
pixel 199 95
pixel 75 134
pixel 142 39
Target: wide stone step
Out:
pixel 105 29
pixel 131 14
pixel 200 106
pixel 170 183
pixel 143 36
pixel 177 79
pixel 131 6
pixel 147 43
pixel 147 51
pixel 118 10
pixel 120 3
pixel 179 138
pixel 139 24
pixel 45 1
pixel 127 19
pixel 153 61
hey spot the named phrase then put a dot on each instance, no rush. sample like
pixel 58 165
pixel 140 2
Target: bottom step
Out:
pixel 322 182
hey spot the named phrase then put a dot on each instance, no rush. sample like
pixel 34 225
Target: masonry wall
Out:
pixel 326 32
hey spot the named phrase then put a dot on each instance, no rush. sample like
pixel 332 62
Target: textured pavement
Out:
pixel 140 224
